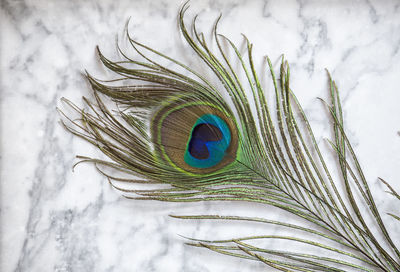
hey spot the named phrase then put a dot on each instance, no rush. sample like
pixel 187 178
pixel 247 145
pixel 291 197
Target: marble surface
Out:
pixel 54 219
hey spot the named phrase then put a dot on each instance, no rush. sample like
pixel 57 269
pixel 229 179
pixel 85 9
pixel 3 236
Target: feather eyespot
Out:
pixel 195 138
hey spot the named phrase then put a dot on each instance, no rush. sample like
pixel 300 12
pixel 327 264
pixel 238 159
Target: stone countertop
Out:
pixel 54 219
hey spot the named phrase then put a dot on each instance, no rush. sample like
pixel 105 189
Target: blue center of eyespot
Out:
pixel 202 134
pixel 208 142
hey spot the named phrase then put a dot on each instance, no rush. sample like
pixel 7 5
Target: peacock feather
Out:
pixel 226 140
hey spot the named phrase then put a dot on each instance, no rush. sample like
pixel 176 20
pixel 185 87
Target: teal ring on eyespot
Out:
pixel 210 138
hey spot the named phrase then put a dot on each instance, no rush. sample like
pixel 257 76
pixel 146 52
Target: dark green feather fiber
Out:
pixel 213 143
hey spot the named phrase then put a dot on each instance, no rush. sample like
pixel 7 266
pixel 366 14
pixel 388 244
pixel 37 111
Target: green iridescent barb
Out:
pixel 208 144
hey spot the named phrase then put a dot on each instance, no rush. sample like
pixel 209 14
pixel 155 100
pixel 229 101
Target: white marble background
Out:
pixel 53 219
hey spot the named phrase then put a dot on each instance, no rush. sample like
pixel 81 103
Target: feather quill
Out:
pixel 208 144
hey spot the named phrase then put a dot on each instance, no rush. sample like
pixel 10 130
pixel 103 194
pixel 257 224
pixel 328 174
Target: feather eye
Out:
pixel 197 138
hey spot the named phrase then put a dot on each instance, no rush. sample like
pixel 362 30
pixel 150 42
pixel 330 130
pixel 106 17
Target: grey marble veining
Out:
pixel 54 219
